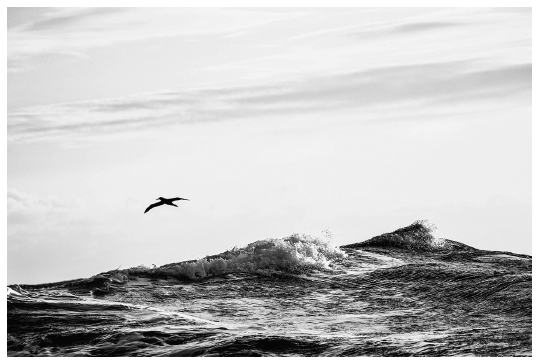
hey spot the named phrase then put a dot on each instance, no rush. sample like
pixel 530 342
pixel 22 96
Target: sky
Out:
pixel 271 121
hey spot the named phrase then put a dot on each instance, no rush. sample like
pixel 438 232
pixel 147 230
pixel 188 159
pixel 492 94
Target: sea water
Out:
pixel 297 296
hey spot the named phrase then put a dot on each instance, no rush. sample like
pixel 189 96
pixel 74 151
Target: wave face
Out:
pixel 293 254
pixel 296 296
pixel 419 236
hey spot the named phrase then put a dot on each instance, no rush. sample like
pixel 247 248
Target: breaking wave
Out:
pixel 389 297
pixel 419 236
pixel 293 254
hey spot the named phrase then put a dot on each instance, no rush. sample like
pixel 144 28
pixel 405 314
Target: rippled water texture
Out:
pixel 375 300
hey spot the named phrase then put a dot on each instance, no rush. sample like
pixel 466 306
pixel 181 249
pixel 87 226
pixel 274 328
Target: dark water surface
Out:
pixel 374 300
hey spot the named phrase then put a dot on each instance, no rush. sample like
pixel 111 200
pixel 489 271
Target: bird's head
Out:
pixel 160 198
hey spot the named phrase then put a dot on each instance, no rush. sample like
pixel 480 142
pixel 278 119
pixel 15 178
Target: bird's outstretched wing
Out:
pixel 152 206
pixel 178 198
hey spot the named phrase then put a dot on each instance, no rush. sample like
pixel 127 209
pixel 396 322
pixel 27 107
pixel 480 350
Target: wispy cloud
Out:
pixel 427 85
pixel 24 209
pixel 68 30
pixel 406 29
pixel 60 19
pixel 423 26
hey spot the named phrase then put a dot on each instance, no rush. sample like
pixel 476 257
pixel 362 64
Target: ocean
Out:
pixel 405 293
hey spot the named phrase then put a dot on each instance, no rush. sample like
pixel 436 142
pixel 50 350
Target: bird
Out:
pixel 164 201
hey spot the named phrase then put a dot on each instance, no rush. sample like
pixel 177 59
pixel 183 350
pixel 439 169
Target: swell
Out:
pixel 294 254
pixel 106 342
pixel 420 237
pixel 297 296
pixel 254 345
pixel 481 286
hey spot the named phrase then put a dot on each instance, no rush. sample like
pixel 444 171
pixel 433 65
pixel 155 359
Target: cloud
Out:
pixel 520 10
pixel 18 200
pixel 412 28
pixel 68 31
pixel 425 85
pixel 423 26
pixel 24 209
pixel 378 30
pixel 64 18
pixel 428 82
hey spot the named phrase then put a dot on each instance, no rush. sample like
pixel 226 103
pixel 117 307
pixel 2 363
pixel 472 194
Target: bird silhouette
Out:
pixel 164 201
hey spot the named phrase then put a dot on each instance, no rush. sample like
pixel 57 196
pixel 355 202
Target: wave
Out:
pixel 419 236
pixel 293 254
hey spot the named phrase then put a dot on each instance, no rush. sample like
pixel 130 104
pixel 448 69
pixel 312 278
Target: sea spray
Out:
pixel 294 254
pixel 419 236
pixel 463 302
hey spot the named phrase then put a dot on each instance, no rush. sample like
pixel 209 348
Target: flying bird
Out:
pixel 164 201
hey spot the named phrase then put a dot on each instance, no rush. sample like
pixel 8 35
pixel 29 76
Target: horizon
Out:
pixel 271 121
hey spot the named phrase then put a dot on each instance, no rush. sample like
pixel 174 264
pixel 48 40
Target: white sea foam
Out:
pixel 296 253
pixel 419 236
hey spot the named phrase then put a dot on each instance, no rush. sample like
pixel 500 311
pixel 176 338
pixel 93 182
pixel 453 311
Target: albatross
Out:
pixel 164 201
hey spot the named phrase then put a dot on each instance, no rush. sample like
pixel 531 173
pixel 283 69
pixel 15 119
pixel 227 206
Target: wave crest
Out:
pixel 419 236
pixel 294 254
